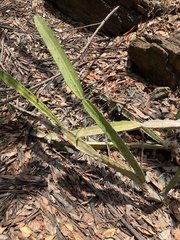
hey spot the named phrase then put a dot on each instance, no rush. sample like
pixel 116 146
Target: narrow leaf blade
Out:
pixel 59 56
pixel 173 181
pixel 113 136
pixel 28 95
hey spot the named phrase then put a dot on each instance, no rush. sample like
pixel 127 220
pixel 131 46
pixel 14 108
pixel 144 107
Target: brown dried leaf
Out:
pixel 176 234
pixel 45 201
pixel 77 236
pixel 175 207
pixel 88 218
pixel 28 155
pixel 65 231
pixel 12 152
pixel 36 226
pixel 83 225
pixel 140 85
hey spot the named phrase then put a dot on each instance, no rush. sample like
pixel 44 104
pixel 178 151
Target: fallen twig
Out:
pixel 97 30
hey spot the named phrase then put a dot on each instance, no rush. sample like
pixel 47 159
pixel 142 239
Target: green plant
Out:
pixel 72 80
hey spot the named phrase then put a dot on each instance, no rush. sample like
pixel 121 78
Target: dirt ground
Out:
pixel 51 191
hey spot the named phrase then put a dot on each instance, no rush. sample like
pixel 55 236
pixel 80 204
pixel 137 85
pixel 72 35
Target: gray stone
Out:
pixel 156 59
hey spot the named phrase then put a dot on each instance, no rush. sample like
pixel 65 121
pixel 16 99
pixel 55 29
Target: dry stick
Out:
pixel 85 26
pixel 97 30
pixel 7 89
pixel 9 100
pixel 47 123
pixel 45 81
pixel 2 48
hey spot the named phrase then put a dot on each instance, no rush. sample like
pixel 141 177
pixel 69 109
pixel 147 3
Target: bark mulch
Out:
pixel 50 190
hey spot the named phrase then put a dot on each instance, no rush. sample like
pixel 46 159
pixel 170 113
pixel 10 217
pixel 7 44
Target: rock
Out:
pixel 157 59
pixel 129 14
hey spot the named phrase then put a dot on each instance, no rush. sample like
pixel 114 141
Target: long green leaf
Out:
pixel 28 95
pixel 59 56
pixel 114 137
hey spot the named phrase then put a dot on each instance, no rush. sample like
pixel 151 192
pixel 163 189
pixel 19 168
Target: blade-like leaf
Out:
pixel 152 135
pixel 113 136
pixel 173 181
pixel 148 131
pixel 118 126
pixel 28 95
pixel 132 125
pixel 59 56
pixel 167 124
pixel 132 145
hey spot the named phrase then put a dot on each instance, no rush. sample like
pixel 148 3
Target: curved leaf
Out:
pixel 59 56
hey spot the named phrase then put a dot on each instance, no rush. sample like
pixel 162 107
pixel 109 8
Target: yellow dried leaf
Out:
pixel 28 155
pixel 69 226
pixel 50 238
pixel 109 232
pixel 26 231
pixel 2 229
